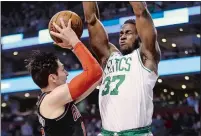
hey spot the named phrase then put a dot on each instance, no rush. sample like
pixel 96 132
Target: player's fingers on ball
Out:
pixel 57 27
pixel 56 35
pixel 69 23
pixel 62 23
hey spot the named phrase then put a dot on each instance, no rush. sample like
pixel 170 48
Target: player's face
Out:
pixel 127 38
pixel 61 74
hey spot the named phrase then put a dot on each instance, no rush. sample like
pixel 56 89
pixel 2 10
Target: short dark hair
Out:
pixel 41 65
pixel 130 21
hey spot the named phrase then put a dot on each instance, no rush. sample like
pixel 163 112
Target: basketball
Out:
pixel 76 25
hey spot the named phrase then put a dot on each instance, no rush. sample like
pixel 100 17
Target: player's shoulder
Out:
pixel 113 48
pixel 115 54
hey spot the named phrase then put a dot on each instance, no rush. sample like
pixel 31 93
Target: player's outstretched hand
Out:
pixel 66 34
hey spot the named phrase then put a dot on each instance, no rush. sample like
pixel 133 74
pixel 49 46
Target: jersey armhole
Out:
pixel 145 68
pixel 64 113
pixel 139 57
pixel 39 103
pixel 57 118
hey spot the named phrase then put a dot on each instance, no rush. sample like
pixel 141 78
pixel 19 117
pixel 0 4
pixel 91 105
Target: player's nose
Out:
pixel 66 72
pixel 123 37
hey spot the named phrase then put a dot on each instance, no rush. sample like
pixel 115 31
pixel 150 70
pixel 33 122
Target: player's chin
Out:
pixel 64 81
pixel 123 48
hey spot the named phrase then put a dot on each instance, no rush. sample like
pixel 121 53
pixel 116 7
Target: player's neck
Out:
pixel 49 88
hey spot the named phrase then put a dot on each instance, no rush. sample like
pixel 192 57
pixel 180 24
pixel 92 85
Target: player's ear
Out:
pixel 52 78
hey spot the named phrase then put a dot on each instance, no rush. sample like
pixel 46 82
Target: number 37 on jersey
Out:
pixel 111 84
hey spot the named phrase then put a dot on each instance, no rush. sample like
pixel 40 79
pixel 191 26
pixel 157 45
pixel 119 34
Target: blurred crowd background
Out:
pixel 33 16
pixel 176 97
pixel 177 119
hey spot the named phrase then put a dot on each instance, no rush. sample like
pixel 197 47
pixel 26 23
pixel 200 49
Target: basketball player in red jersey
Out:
pixel 56 110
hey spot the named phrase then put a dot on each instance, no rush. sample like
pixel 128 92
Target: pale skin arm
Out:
pixel 150 51
pixel 61 95
pixel 97 35
pixel 66 93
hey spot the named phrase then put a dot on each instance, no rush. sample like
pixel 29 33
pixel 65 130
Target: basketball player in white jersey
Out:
pixel 126 91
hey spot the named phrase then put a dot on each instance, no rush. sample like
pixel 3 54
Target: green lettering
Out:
pixel 128 63
pixel 121 69
pixel 117 62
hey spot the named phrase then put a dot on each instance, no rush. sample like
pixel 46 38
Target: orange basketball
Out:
pixel 76 25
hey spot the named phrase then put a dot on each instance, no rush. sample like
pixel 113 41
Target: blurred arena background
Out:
pixel 176 94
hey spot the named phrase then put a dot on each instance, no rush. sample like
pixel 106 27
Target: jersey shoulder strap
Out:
pixel 40 99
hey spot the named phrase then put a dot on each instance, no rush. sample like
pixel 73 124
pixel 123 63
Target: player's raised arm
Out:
pixel 97 35
pixel 147 32
pixel 84 83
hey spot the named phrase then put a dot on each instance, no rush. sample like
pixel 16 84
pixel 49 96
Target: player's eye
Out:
pixel 121 33
pixel 128 32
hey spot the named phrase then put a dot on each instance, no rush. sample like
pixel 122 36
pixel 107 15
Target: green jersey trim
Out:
pixel 130 132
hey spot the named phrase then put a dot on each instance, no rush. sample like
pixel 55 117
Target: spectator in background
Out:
pixel 196 125
pixel 158 123
pixel 14 105
pixel 4 133
pixel 193 102
pixel 187 121
pixel 176 125
pixel 26 129
pixel 168 123
pixel 11 130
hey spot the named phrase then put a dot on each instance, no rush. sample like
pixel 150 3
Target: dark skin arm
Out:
pixel 149 50
pixel 97 35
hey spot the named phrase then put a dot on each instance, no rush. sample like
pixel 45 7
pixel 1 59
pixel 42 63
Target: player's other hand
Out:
pixel 66 34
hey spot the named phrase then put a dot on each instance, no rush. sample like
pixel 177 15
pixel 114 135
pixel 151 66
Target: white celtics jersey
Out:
pixel 126 93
